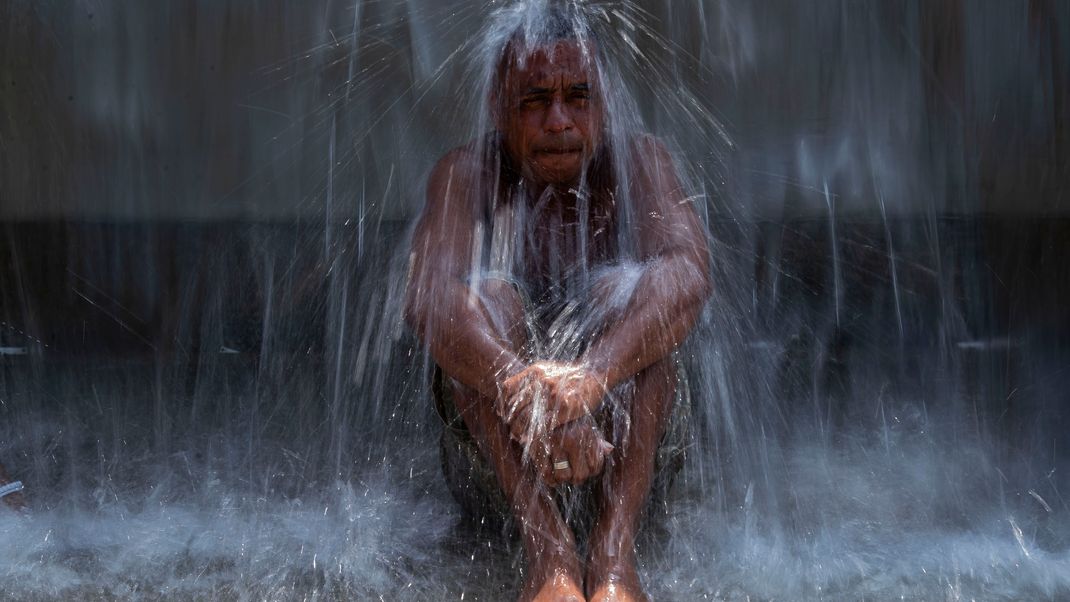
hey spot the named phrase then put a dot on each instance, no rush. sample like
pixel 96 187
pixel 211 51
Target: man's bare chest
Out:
pixel 559 238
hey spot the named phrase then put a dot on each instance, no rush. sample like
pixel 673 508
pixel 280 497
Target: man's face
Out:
pixel 550 117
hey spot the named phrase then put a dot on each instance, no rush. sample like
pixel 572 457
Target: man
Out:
pixel 553 271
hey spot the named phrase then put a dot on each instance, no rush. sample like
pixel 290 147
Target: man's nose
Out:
pixel 557 118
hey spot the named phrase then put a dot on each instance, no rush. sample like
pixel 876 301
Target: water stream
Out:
pixel 208 388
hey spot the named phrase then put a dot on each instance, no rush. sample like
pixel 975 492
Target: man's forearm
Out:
pixel 661 312
pixel 461 339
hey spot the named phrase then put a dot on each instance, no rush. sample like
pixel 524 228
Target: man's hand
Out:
pixel 580 444
pixel 546 395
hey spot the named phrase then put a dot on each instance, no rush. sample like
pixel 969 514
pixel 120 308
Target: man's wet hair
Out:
pixel 560 22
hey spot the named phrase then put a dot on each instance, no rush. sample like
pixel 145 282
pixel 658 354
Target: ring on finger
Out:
pixel 562 465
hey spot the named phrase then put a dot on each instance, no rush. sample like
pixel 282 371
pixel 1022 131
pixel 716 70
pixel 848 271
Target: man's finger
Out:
pixel 548 475
pixel 521 427
pixel 510 383
pixel 516 381
pixel 562 468
pixel 599 452
pixel 509 404
pixel 517 428
pixel 606 447
pixel 581 471
pixel 593 455
pixel 510 391
pixel 561 416
pixel 515 405
pixel 540 459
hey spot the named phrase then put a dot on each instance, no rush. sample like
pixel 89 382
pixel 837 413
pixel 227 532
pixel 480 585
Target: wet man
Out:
pixel 553 310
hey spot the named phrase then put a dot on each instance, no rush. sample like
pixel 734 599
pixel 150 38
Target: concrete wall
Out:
pixel 269 110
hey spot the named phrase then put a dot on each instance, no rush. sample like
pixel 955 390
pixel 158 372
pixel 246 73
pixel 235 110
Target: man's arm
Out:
pixel 440 305
pixel 675 282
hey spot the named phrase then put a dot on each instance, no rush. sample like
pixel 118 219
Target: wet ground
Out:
pixel 911 510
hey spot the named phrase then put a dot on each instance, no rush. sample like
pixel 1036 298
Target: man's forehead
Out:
pixel 573 59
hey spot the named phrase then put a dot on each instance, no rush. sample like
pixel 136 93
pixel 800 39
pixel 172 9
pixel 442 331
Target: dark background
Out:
pixel 154 157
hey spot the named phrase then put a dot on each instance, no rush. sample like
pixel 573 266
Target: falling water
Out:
pixel 207 387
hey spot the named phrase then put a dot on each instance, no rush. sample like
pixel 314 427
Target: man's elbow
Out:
pixel 698 284
pixel 698 294
pixel 704 288
pixel 415 314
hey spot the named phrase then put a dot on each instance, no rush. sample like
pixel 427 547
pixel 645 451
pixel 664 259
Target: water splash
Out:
pixel 305 464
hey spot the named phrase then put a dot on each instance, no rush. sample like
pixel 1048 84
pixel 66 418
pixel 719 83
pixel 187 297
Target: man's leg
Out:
pixel 553 566
pixel 611 567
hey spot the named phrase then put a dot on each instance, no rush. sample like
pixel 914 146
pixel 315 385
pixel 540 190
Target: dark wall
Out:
pixel 169 172
pixel 218 110
pixel 170 289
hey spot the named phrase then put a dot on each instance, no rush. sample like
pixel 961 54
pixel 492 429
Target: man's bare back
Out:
pixel 541 208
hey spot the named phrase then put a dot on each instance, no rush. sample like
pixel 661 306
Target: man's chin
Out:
pixel 559 170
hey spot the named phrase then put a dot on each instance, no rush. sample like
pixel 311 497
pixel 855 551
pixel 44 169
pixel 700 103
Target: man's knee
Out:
pixel 655 386
pixel 613 287
pixel 652 402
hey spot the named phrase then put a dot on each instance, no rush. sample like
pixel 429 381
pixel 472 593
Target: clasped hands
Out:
pixel 547 407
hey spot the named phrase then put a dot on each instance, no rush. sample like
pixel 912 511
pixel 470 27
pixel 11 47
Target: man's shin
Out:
pixel 629 476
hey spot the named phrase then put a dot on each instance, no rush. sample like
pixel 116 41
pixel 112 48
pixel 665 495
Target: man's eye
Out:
pixel 533 101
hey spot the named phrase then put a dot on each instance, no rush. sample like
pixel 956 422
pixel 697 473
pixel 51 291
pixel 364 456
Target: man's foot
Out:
pixel 612 579
pixel 615 591
pixel 558 584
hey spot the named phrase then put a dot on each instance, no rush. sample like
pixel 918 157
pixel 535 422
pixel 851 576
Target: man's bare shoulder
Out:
pixel 463 164
pixel 653 166
pixel 453 184
pixel 646 147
